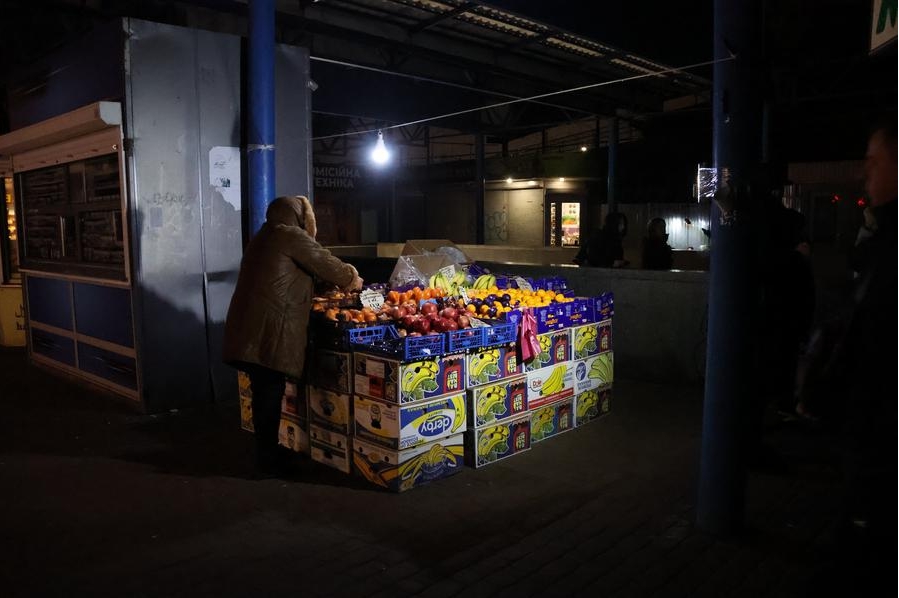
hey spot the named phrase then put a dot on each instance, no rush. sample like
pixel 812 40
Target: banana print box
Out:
pixel 552 419
pixel 402 470
pixel 555 347
pixel 592 405
pixel 330 448
pixel 490 444
pixel 294 434
pixel 491 403
pixel 405 426
pixel 550 384
pixel 591 339
pixel 397 382
pixel 331 370
pixel 330 410
pixel 593 372
pixel 489 365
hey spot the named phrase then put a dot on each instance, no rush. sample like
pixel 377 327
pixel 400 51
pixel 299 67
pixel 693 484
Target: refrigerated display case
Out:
pixel 563 222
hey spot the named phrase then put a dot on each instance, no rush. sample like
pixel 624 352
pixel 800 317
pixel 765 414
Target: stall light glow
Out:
pixel 532 183
pixel 509 180
pixel 380 155
pixel 583 148
pixel 561 179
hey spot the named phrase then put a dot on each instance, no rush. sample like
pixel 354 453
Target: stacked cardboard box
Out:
pixel 409 417
pixel 330 393
pixel 293 432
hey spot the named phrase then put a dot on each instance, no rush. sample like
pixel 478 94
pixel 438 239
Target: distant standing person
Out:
pixel 265 331
pixel 604 248
pixel 657 254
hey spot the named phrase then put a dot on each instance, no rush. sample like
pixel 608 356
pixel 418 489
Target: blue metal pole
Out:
pixel 727 412
pixel 261 111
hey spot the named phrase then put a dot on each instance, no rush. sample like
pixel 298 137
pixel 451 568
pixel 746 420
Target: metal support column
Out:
pixel 261 111
pixel 613 165
pixel 727 412
pixel 479 188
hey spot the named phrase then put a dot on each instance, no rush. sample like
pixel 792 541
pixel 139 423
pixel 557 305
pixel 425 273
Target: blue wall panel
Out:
pixel 104 313
pixel 49 302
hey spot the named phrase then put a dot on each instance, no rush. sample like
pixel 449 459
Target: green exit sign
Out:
pixel 883 23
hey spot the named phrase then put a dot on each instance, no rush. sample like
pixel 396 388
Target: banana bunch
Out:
pixel 450 285
pixel 491 403
pixel 555 382
pixel 584 341
pixel 484 364
pixel 419 377
pixel 587 404
pixel 542 422
pixel 484 281
pixel 492 442
pixel 601 368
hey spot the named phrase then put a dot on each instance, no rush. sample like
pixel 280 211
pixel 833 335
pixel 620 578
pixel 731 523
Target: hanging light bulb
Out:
pixel 380 155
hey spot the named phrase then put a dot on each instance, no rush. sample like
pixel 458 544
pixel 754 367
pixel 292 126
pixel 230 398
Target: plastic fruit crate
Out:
pixel 500 333
pixel 466 338
pixel 384 340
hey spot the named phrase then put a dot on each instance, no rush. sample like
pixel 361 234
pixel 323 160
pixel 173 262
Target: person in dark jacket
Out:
pixel 603 248
pixel 657 254
pixel 265 330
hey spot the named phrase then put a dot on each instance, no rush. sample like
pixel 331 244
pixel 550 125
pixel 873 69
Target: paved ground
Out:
pixel 101 501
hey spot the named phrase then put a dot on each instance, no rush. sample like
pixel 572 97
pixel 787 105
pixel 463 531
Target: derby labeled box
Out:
pixel 592 405
pixel 330 410
pixel 491 403
pixel 551 420
pixel 491 364
pixel 330 448
pixel 550 384
pixel 401 382
pixel 555 347
pixel 490 444
pixel 330 369
pixel 591 339
pixel 403 470
pixel 405 426
pixel 293 434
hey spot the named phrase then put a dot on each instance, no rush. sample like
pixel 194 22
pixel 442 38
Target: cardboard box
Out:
pixel 591 339
pixel 551 420
pixel 402 470
pixel 592 405
pixel 332 370
pixel 593 372
pixel 294 434
pixel 550 384
pixel 555 347
pixel 405 426
pixel 490 444
pixel 491 403
pixel 330 410
pixel 491 364
pixel 330 448
pixel 293 402
pixel 397 382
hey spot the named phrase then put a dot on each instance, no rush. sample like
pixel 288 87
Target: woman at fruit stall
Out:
pixel 265 331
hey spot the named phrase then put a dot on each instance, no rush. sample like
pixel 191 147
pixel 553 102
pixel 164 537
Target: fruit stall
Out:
pixel 409 384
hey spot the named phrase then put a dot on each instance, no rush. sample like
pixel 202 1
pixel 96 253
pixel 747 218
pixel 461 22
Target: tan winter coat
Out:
pixel 269 312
